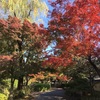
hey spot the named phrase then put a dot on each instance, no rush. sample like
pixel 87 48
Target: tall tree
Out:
pixel 12 43
pixel 76 28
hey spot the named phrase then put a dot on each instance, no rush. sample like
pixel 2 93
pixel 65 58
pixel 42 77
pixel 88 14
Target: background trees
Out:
pixel 29 9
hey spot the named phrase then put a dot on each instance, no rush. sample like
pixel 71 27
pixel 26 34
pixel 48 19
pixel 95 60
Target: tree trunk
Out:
pixel 20 79
pixel 12 88
pixel 12 83
pixel 94 66
pixel 20 83
pixel 27 79
pixel 12 77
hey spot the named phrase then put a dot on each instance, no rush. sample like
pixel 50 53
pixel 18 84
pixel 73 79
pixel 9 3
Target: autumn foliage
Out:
pixel 75 26
pixel 22 46
pixel 15 35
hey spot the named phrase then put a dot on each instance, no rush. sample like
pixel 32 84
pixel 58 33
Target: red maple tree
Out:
pixel 22 46
pixel 75 26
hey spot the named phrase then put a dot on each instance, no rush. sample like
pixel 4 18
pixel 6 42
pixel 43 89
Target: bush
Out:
pixel 4 89
pixel 78 86
pixel 3 97
pixel 18 94
pixel 41 87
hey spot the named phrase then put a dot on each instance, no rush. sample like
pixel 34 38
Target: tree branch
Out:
pixel 29 13
pixel 93 65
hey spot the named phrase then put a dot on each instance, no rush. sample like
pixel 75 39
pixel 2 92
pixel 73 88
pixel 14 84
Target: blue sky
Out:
pixel 45 18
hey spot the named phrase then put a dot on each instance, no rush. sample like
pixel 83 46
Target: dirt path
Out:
pixel 55 94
